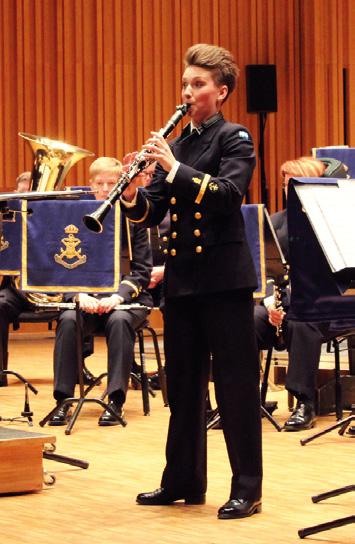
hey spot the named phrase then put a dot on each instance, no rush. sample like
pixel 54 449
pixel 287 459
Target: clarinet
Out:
pixel 94 220
pixel 280 340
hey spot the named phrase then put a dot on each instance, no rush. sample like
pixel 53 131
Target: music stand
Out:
pixel 81 399
pixel 321 228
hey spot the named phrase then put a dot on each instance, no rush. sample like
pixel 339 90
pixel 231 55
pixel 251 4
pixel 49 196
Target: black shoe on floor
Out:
pixel 61 417
pixel 239 508
pixel 106 419
pixel 161 497
pixel 154 381
pixel 302 418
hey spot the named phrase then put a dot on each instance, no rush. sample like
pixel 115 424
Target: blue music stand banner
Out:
pixel 10 242
pixel 60 255
pixel 253 215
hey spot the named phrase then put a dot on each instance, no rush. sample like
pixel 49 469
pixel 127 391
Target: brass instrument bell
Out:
pixel 52 161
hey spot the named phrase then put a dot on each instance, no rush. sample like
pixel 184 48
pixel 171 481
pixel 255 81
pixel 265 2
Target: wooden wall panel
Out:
pixel 101 74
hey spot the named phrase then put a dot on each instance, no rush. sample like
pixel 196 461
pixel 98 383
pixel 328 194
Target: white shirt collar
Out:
pixel 193 127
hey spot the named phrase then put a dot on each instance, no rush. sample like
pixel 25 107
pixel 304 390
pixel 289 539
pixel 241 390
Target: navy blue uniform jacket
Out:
pixel 207 250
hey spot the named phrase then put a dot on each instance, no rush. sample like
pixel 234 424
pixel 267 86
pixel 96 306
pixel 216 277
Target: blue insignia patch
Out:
pixel 244 135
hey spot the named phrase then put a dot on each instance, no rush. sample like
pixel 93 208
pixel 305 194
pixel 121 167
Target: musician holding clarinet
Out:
pixel 202 177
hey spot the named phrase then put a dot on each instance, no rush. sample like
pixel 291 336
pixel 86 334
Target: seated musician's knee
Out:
pixel 67 320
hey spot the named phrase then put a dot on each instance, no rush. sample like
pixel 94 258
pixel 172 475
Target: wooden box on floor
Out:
pixel 21 454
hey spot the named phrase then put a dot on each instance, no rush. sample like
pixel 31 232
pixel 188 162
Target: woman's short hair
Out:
pixel 218 60
pixel 305 167
pixel 105 164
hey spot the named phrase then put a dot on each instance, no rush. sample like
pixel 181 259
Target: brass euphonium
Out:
pixel 52 162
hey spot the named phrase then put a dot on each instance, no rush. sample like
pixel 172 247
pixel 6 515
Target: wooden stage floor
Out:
pixel 97 505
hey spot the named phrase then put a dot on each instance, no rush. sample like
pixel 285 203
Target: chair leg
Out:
pixel 4 356
pixel 338 399
pixel 144 375
pixel 264 384
pixel 161 371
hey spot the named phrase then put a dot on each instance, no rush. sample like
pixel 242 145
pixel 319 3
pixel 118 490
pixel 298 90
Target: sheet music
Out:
pixel 331 211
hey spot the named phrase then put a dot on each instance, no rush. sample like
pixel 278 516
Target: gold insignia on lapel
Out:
pixel 197 180
pixel 70 252
pixel 4 244
pixel 213 186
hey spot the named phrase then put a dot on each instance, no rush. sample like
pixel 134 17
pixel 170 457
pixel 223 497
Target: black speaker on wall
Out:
pixel 261 88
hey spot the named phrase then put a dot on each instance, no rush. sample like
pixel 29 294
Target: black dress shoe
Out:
pixel 154 381
pixel 61 417
pixel 303 417
pixel 106 419
pixel 239 508
pixel 161 497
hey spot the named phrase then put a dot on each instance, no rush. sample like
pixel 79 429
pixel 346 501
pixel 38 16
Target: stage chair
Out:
pixel 139 374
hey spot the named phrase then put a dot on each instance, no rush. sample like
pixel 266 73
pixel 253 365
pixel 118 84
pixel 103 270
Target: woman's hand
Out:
pixel 160 151
pixel 130 193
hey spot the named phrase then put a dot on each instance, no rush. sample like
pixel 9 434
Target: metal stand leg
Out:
pixel 340 522
pixel 271 419
pixel 302 533
pixel 64 459
pixel 343 424
pixel 214 419
pixel 82 398
pixel 26 414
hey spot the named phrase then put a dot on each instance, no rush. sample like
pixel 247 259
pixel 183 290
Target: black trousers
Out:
pixel 197 329
pixel 303 342
pixel 119 327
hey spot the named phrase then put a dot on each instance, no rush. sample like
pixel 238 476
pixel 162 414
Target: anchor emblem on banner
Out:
pixel 70 251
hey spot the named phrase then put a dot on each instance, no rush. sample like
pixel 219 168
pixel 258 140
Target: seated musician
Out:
pixel 302 340
pixel 12 300
pixel 23 182
pixel 100 313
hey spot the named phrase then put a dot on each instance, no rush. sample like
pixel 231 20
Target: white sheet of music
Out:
pixel 331 212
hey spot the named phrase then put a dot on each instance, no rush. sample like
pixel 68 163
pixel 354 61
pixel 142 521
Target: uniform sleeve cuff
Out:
pixel 171 176
pixel 130 204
